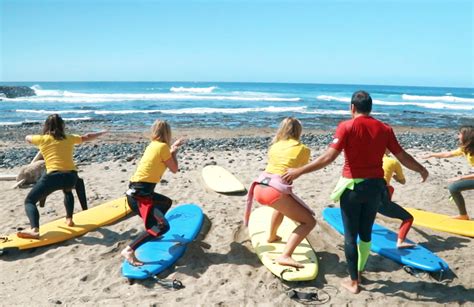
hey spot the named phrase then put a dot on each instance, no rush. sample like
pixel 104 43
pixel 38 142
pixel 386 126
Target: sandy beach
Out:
pixel 220 267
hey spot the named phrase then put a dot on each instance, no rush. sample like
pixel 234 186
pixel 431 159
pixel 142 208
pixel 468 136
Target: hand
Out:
pixel 291 174
pixel 424 174
pixel 178 143
pixel 457 178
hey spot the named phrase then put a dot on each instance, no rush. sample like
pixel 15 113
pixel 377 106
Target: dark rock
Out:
pixel 16 91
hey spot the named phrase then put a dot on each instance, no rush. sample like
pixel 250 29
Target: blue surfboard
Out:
pixel 159 254
pixel 384 242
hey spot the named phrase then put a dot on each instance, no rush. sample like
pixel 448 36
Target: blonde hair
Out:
pixel 161 131
pixel 290 128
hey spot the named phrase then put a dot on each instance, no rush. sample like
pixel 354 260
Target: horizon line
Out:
pixel 246 82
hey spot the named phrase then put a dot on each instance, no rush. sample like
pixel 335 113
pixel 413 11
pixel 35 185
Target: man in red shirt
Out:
pixel 364 140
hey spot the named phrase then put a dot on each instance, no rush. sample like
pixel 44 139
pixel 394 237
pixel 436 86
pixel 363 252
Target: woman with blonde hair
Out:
pixel 57 149
pixel 149 205
pixel 462 182
pixel 269 189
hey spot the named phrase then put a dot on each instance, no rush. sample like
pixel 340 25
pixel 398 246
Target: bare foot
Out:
pixel 273 239
pixel 69 222
pixel 129 255
pixel 29 234
pixel 463 217
pixel 288 261
pixel 350 285
pixel 405 245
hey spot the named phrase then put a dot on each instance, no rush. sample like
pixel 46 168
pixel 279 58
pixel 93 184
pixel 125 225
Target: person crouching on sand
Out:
pixel 150 206
pixel 57 148
pixel 393 169
pixel 361 187
pixel 269 189
pixel 462 182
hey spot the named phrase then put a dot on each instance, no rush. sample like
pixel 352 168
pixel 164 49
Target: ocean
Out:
pixel 131 105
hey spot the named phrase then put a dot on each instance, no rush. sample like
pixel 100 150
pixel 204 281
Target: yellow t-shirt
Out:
pixel 152 164
pixel 286 154
pixel 390 166
pixel 57 154
pixel 469 157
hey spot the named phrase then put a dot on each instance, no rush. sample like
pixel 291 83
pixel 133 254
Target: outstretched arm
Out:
pixel 409 162
pixel 29 138
pixel 93 135
pixel 445 154
pixel 462 177
pixel 322 161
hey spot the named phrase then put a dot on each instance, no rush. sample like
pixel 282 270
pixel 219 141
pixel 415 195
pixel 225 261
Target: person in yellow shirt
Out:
pixel 269 189
pixel 57 149
pixel 462 182
pixel 141 198
pixel 393 169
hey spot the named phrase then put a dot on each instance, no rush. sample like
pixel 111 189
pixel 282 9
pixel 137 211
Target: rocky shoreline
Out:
pixel 126 151
pixel 16 91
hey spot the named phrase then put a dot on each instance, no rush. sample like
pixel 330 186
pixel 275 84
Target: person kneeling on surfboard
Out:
pixel 269 189
pixel 57 148
pixel 141 198
pixel 462 182
pixel 361 187
pixel 393 169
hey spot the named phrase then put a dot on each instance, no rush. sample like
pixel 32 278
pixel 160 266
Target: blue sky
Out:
pixel 417 42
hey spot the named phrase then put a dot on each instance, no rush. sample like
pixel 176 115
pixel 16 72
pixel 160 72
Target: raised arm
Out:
pixel 409 162
pixel 172 163
pixel 322 161
pixel 92 136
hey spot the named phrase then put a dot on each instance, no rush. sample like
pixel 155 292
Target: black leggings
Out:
pixel 47 184
pixel 358 208
pixel 155 221
pixel 80 191
pixel 395 211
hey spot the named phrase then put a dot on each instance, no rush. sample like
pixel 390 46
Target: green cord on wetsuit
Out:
pixel 363 249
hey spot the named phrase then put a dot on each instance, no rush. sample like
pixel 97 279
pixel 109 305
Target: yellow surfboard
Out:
pixel 221 180
pixel 442 222
pixel 57 231
pixel 259 226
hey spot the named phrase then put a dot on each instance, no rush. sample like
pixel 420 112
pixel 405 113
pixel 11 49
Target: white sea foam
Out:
pixel 336 112
pixel 54 111
pixel 75 97
pixel 171 111
pixel 428 105
pixel 447 98
pixel 205 90
pixel 10 123
pixel 28 121
pixel 328 112
pixel 333 98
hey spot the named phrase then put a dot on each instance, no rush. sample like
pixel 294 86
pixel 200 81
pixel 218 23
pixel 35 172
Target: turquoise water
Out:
pixel 130 105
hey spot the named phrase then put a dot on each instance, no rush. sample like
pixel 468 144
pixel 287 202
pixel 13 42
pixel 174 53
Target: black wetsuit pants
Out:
pixel 359 208
pixel 47 184
pixel 155 221
pixel 395 211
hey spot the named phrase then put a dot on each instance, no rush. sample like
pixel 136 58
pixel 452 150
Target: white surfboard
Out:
pixel 221 180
